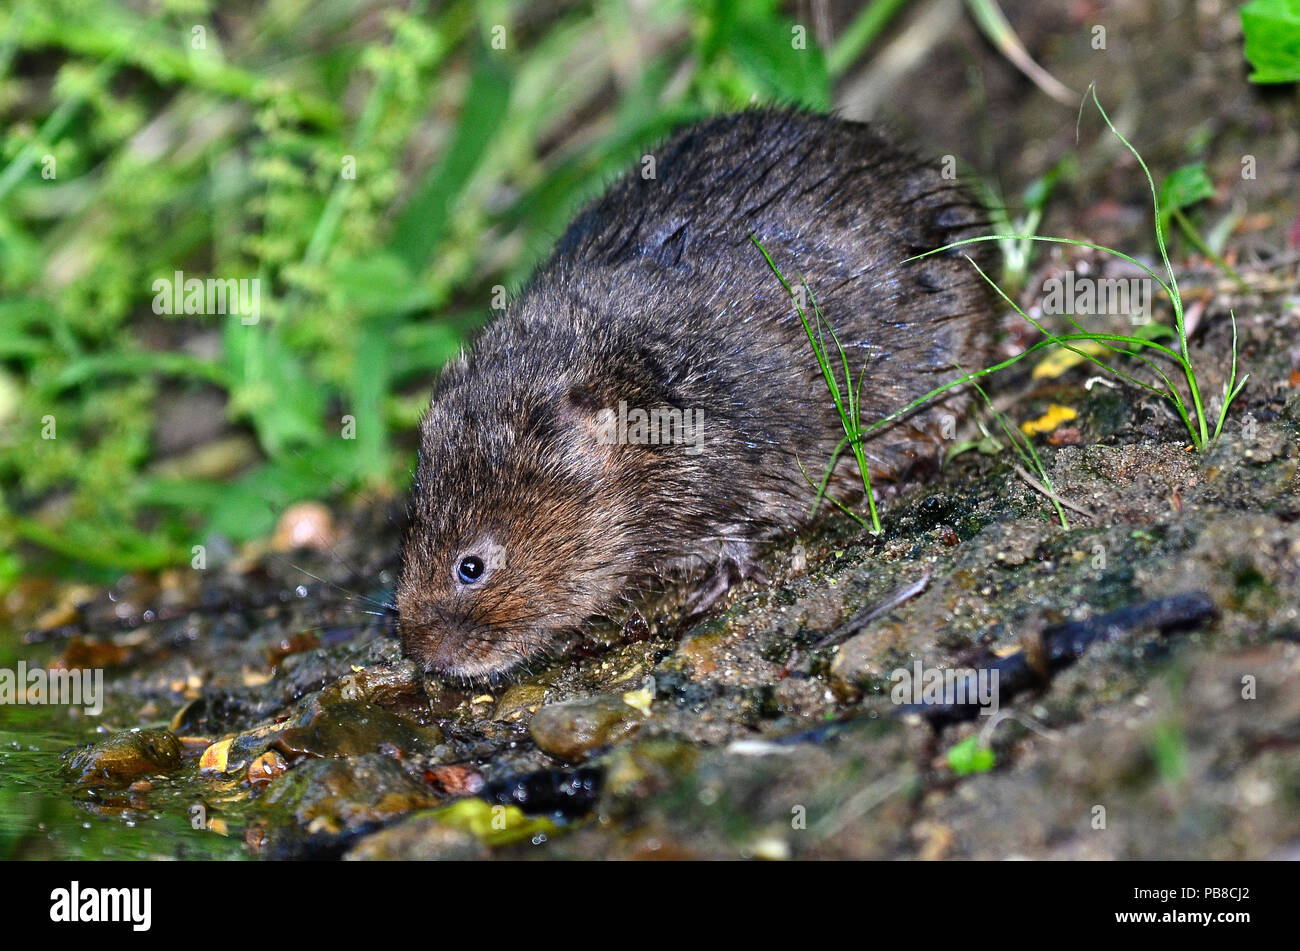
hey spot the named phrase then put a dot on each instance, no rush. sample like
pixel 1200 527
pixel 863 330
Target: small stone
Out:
pixel 331 795
pixel 571 730
pixel 123 758
pixel 420 837
pixel 520 701
pixel 706 651
pixel 329 724
pixel 304 525
pixel 457 779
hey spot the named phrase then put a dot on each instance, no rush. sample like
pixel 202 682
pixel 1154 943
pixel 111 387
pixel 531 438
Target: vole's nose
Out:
pixel 424 638
pixel 444 655
pixel 436 642
pixel 432 651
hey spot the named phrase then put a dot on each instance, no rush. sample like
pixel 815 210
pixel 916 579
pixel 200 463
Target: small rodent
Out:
pixel 540 503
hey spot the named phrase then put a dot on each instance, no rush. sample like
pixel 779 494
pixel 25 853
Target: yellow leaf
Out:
pixel 1061 359
pixel 493 824
pixel 1055 416
pixel 214 757
pixel 640 700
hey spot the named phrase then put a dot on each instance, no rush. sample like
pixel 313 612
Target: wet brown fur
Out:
pixel 657 297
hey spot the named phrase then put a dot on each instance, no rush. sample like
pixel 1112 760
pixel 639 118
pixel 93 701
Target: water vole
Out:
pixel 546 495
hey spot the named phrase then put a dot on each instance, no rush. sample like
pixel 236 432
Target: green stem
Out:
pixel 869 24
pixel 53 128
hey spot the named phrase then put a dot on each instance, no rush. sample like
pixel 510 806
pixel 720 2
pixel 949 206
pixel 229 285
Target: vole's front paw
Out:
pixel 726 574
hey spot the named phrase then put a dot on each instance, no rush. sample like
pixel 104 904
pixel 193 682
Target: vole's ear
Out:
pixel 583 398
pixel 592 421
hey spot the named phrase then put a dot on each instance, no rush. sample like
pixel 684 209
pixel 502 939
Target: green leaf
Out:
pixel 1272 31
pixel 969 757
pixel 270 386
pixel 95 544
pixel 422 348
pixel 1169 750
pixel 138 363
pixel 1185 187
pixel 986 446
pixel 765 55
pixel 248 506
pixel 864 30
pixel 369 384
pixel 424 222
pixel 379 286
pixel 1154 331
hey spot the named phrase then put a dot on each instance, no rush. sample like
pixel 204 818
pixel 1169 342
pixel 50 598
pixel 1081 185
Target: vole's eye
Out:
pixel 470 569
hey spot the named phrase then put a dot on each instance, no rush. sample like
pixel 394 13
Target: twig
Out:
pixel 1039 487
pixel 886 604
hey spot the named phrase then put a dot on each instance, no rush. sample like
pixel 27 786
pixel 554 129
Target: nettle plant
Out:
pixel 1166 362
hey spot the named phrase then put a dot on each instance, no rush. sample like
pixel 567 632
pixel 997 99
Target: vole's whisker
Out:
pixel 351 594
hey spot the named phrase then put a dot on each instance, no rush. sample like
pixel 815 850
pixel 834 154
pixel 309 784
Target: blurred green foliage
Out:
pixel 1272 33
pixel 152 136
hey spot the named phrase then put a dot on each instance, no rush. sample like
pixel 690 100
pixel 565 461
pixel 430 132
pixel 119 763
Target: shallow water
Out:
pixel 40 818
